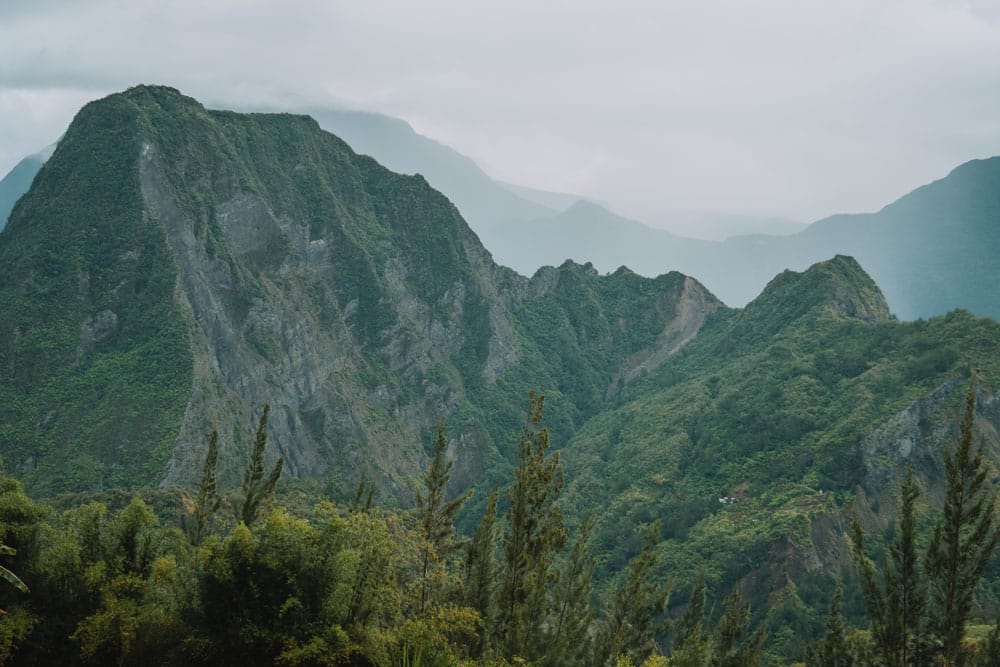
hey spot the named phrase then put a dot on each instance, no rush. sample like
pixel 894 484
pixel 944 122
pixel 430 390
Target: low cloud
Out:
pixel 791 108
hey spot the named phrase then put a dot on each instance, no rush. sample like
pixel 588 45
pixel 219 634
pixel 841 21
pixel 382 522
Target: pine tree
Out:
pixel 832 651
pixel 896 606
pixel 964 539
pixel 568 643
pixel 631 626
pixel 437 516
pixel 730 649
pixel 208 500
pixel 256 489
pixel 481 570
pixel 535 532
pixel 691 646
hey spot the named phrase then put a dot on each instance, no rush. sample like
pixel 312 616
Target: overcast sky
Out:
pixel 792 108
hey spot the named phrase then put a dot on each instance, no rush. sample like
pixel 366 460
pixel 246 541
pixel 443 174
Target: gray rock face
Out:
pixel 693 305
pixel 917 437
pixel 98 327
pixel 326 420
pixel 273 349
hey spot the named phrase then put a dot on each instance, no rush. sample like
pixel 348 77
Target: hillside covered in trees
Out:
pixel 173 270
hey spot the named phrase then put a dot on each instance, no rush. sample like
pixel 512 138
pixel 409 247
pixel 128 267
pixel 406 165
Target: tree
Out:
pixel 437 516
pixel 257 489
pixel 691 645
pixel 896 606
pixel 964 539
pixel 568 642
pixel 832 650
pixel 9 576
pixel 728 650
pixel 535 532
pixel 208 500
pixel 631 626
pixel 481 569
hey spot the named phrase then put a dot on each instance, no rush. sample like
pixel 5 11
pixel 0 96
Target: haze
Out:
pixel 792 109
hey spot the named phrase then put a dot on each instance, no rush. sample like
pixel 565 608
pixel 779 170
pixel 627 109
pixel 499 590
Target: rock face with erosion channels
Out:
pixel 215 262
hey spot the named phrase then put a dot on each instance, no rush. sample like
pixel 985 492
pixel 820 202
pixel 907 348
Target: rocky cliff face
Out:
pixel 355 301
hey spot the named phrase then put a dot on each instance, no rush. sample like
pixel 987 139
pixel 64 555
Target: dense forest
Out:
pixel 242 576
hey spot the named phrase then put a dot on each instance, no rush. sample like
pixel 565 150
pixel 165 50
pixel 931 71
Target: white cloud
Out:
pixel 791 107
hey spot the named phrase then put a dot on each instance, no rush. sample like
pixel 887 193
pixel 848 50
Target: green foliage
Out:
pixel 832 649
pixel 964 539
pixel 256 489
pixel 568 641
pixel 481 570
pixel 632 623
pixel 691 643
pixel 896 606
pixel 437 518
pixel 535 533
pixel 6 574
pixel 208 500
pixel 733 645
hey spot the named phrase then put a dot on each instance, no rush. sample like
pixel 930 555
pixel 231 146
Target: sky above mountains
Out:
pixel 784 108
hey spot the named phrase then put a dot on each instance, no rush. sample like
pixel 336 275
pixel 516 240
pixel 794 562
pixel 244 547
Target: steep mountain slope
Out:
pixel 18 180
pixel 932 251
pixel 481 200
pixel 754 442
pixel 174 268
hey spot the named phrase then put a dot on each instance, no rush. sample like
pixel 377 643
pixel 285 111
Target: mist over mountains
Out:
pixel 171 269
pixel 931 251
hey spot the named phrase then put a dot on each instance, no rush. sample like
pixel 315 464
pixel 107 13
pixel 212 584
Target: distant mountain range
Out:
pixel 18 180
pixel 932 251
pixel 172 269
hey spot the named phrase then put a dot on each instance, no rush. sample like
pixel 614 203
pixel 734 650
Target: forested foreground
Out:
pixel 222 577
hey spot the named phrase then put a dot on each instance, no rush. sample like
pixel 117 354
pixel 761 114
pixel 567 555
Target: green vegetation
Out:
pixel 94 349
pixel 257 489
pixel 332 586
pixel 217 258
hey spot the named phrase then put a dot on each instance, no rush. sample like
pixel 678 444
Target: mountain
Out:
pixel 934 250
pixel 18 180
pixel 720 226
pixel 556 201
pixel 587 230
pixel 755 444
pixel 173 269
pixel 481 200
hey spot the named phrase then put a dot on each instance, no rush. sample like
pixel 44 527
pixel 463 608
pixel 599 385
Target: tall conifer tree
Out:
pixel 437 516
pixel 896 605
pixel 208 500
pixel 964 539
pixel 257 489
pixel 535 532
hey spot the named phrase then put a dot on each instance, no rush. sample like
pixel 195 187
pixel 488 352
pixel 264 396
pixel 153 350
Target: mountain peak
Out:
pixel 838 288
pixel 839 285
